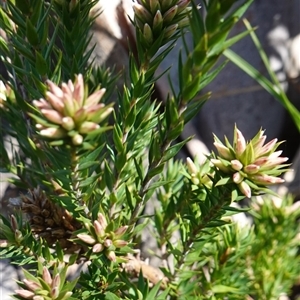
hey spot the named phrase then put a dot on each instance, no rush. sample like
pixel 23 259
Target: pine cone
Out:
pixel 48 220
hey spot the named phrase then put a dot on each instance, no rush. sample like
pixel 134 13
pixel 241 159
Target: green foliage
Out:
pixel 276 219
pixel 91 161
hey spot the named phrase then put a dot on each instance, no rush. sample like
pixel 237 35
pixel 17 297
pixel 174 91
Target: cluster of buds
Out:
pixel 44 287
pixel 156 16
pixel 102 239
pixel 68 113
pixel 200 175
pixel 250 165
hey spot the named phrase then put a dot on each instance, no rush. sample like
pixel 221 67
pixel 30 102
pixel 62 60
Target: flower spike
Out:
pixel 250 163
pixel 68 113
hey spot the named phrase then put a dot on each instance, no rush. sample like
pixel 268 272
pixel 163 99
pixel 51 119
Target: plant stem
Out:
pixel 213 214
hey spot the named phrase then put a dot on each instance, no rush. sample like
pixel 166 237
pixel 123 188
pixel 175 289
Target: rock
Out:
pixel 293 68
pixel 236 97
pixel 294 48
pixel 8 277
pixel 110 34
pixel 292 179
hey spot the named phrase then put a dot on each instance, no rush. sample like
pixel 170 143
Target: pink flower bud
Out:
pixel 120 231
pixel 107 243
pixel 31 285
pixel 191 167
pixel 261 161
pixel 251 169
pixel 66 89
pixel 78 93
pixel 54 89
pixel 142 13
pixel 56 281
pixel 14 223
pixel 274 162
pixel 87 127
pixel 54 133
pixel 42 103
pixel 99 229
pixel 68 123
pixel 70 86
pixel 102 220
pixel 94 109
pixel 265 179
pixel 120 243
pixel 266 148
pixel 54 293
pixel 77 139
pixel 170 30
pixel 70 106
pixel 24 294
pixel 46 276
pixel 56 102
pixel 223 151
pixel 86 238
pixel 236 165
pixel 170 14
pixel 94 98
pixel 240 144
pixel 245 189
pixel 157 20
pixel 52 115
pixel 97 248
pixel 237 177
pixel 275 154
pixel 257 146
pixel 182 4
pixel 111 255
